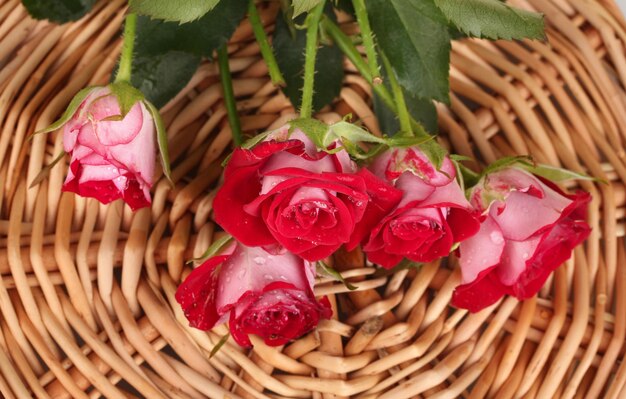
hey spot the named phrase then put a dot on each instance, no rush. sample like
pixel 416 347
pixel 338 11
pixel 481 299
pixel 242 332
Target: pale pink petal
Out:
pixel 99 173
pixel 525 214
pixel 414 188
pixel 104 107
pixel 347 164
pixel 139 156
pixel 87 137
pixel 117 132
pixel 514 258
pixel 309 194
pixel 252 268
pixel 481 251
pixel 450 194
pixel 287 160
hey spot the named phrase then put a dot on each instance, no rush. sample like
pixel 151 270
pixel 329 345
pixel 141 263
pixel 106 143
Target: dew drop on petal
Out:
pixel 496 237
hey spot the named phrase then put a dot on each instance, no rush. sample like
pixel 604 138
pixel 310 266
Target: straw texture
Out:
pixel 87 291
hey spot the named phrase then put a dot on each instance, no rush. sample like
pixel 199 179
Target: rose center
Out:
pixel 413 229
pixel 307 214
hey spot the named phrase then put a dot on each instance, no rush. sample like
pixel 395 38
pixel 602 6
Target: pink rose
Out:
pixel 529 229
pixel 431 216
pixel 258 293
pixel 283 192
pixel 110 158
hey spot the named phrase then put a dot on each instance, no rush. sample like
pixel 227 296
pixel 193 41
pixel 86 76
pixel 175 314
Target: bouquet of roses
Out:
pixel 293 196
pixel 288 204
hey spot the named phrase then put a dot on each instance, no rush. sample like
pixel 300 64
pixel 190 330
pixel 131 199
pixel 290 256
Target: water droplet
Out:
pixel 496 237
pixel 268 277
pixel 259 260
pixel 242 273
pixel 525 255
pixel 284 278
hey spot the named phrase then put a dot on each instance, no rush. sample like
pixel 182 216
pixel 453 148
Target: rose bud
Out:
pixel 111 157
pixel 432 215
pixel 286 193
pixel 256 292
pixel 529 228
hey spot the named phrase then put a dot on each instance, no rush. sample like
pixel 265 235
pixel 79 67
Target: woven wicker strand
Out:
pixel 87 291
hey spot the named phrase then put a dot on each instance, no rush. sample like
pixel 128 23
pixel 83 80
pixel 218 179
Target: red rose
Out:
pixel 258 293
pixel 283 191
pixel 529 229
pixel 431 216
pixel 111 158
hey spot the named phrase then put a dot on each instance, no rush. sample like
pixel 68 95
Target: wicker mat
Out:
pixel 87 291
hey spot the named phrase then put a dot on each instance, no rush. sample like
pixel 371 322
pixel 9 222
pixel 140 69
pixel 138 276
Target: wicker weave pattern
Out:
pixel 86 294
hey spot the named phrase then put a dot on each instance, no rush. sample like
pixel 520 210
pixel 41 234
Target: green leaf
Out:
pixel 492 19
pixel 556 174
pixel 214 248
pixel 60 11
pixel 168 54
pixel 46 170
pixel 160 77
pixel 200 37
pixel 126 95
pixel 302 6
pixel 345 6
pixel 324 269
pixel 414 36
pixel 180 10
pixel 423 111
pixel 290 57
pixel 69 111
pixel 161 139
pixel 219 345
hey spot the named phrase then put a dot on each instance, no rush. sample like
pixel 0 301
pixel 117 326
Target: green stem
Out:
pixel 126 59
pixel 368 39
pixel 264 44
pixel 403 113
pixel 229 95
pixel 312 23
pixel 344 43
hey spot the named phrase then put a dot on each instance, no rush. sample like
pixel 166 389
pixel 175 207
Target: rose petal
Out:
pixel 514 259
pixel 413 188
pixel 524 215
pixel 115 132
pixel 134 155
pixel 554 249
pixel 383 198
pixel 197 294
pixel 252 268
pixel 485 290
pixel 482 251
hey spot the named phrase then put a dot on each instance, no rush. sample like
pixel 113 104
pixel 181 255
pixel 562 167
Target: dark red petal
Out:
pixel 384 258
pixel 484 291
pixel 383 197
pixel 241 187
pixel 104 191
pixel 278 315
pixel 134 195
pixel 243 158
pixel 463 223
pixel 555 248
pixel 196 294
